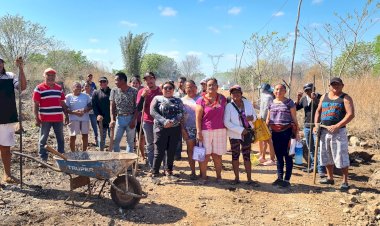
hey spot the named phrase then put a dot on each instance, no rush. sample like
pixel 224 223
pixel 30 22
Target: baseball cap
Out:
pixel 49 71
pixel 149 74
pixel 235 87
pixel 103 78
pixel 308 86
pixel 203 81
pixel 336 80
pixel 266 87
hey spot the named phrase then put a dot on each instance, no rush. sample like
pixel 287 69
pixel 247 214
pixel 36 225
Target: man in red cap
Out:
pixel 49 106
pixel 8 114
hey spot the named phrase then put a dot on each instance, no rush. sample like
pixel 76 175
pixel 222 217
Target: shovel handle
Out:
pixel 54 152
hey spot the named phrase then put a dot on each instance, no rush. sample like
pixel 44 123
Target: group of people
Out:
pixel 168 115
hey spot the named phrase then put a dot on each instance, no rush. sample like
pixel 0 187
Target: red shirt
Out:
pixel 50 108
pixel 148 99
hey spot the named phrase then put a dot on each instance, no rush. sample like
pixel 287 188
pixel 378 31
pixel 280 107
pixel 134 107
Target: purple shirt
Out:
pixel 280 112
pixel 213 116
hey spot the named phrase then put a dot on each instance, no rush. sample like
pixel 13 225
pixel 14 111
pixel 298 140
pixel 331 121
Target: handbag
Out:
pixel 262 132
pixel 199 152
pixel 251 133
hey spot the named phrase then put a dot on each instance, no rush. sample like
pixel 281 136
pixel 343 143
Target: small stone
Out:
pixel 378 217
pixel 346 210
pixel 351 204
pixel 342 201
pixel 354 141
pixel 353 199
pixel 353 191
pixel 363 144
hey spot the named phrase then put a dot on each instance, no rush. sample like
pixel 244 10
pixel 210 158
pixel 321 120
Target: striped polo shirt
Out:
pixel 49 102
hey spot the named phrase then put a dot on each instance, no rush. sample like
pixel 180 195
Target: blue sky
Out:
pixel 180 27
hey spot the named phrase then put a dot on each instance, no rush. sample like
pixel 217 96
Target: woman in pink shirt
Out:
pixel 210 127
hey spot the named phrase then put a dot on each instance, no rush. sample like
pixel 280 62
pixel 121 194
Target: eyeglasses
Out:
pixel 168 88
pixel 102 81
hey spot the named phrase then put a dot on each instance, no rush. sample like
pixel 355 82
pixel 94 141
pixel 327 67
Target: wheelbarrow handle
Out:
pixel 54 152
pixel 37 160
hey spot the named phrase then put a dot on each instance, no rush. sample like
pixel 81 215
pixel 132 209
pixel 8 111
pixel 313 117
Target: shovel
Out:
pixel 101 134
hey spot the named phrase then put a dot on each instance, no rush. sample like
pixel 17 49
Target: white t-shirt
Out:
pixel 76 103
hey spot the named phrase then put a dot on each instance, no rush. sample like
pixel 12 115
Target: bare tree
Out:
pixel 19 37
pixel 190 66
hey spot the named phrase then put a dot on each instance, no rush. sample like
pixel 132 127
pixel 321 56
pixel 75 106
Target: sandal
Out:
pixel 235 182
pixel 344 187
pixel 193 176
pixel 326 181
pixel 252 183
pixel 11 180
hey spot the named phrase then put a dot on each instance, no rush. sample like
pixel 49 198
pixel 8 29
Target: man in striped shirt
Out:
pixel 49 107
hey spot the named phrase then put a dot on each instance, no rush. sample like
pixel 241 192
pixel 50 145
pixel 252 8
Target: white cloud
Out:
pixel 234 10
pixel 167 11
pixel 214 29
pixel 279 13
pixel 128 23
pixel 173 54
pixel 196 53
pixel 95 51
pixel 93 40
pixel 314 2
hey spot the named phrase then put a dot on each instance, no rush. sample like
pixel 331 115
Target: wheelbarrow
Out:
pixel 126 190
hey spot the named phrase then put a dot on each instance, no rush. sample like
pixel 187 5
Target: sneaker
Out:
pixel 269 163
pixel 285 184
pixel 322 175
pixel 326 181
pixel 277 182
pixel 344 187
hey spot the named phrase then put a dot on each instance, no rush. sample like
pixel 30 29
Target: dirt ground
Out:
pixel 185 202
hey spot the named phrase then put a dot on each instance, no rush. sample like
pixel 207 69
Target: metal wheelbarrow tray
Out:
pixel 126 191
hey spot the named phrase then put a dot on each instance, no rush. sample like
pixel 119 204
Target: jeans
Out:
pixel 44 135
pixel 165 140
pixel 102 142
pixel 307 132
pixel 94 125
pixel 281 146
pixel 122 124
pixel 149 139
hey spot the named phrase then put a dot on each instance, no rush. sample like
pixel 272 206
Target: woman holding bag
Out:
pixel 238 117
pixel 189 130
pixel 283 122
pixel 210 127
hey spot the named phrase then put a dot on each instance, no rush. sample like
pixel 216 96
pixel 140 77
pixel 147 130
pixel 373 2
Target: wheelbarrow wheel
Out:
pixel 122 200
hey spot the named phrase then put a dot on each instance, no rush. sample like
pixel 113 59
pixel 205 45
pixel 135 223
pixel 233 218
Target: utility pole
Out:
pixel 294 46
pixel 216 62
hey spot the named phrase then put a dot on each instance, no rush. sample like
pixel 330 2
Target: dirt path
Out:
pixel 185 202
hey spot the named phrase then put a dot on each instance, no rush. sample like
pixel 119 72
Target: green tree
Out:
pixel 162 66
pixel 133 48
pixel 20 37
pixel 360 60
pixel 377 56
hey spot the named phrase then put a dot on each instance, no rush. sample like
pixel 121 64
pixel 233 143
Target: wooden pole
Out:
pixel 295 45
pixel 20 119
pixel 139 140
pixel 311 127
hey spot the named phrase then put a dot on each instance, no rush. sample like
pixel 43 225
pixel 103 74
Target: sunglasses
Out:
pixel 102 81
pixel 168 88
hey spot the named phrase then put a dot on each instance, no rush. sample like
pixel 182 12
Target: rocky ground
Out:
pixel 41 201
